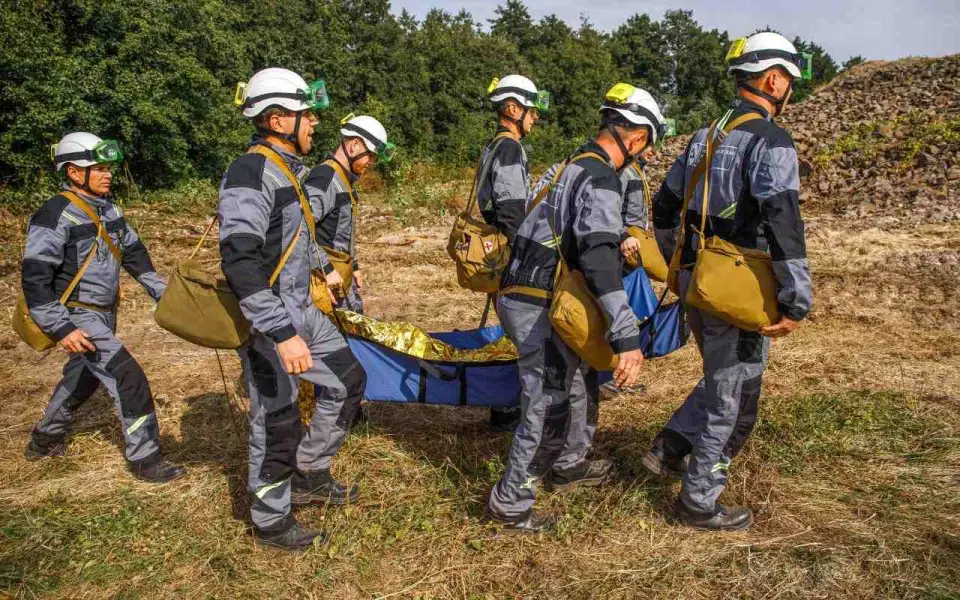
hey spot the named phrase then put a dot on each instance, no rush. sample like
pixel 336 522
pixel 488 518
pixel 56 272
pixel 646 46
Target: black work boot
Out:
pixel 155 469
pixel 671 468
pixel 725 518
pixel 669 455
pixel 589 473
pixel 504 420
pixel 41 446
pixel 289 535
pixel 529 522
pixel 318 487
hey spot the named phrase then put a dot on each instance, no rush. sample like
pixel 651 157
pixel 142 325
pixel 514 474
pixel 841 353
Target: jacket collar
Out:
pixel 351 176
pixel 97 201
pixel 741 104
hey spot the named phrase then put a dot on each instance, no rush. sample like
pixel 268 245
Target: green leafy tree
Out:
pixel 853 61
pixel 159 76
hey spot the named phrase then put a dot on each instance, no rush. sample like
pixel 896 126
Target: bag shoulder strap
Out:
pixel 83 268
pixel 338 169
pixel 482 169
pixel 93 216
pixel 702 167
pixel 354 203
pixel 745 118
pixel 278 161
pixel 542 192
pixel 642 176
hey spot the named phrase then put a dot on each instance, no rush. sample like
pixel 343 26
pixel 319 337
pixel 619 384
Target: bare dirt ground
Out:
pixel 853 471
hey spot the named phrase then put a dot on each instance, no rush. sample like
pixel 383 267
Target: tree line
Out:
pixel 159 76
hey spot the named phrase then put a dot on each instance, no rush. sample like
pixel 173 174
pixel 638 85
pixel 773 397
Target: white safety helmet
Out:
pixel 372 132
pixel 84 150
pixel 520 89
pixel 279 87
pixel 765 50
pixel 638 107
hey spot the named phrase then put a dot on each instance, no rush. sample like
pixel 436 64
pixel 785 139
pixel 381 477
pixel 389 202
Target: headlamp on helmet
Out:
pixel 737 56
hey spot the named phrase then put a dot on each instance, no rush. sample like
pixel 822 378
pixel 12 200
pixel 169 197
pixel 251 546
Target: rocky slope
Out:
pixel 881 143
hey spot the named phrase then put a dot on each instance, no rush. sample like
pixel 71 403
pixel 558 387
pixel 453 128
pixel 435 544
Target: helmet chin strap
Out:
pixel 85 186
pixel 627 157
pixel 518 122
pixel 778 103
pixel 353 159
pixel 293 138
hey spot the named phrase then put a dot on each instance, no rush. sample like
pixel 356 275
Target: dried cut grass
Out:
pixel 854 469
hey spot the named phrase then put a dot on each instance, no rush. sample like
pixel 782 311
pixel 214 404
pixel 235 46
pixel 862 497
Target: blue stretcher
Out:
pixel 394 376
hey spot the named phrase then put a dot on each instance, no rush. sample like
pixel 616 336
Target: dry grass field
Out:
pixel 854 469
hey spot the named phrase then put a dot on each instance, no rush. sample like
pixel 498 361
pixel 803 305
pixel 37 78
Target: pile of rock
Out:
pixel 880 143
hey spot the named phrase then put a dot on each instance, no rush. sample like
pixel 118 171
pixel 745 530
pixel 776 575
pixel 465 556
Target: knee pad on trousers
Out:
pixel 554 367
pixel 750 347
pixel 136 400
pixel 351 375
pixel 746 417
pixel 348 370
pixel 283 432
pixel 87 385
pixel 355 380
pixel 263 374
pixel 556 424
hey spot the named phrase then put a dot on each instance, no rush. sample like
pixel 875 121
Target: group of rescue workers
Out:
pixel 268 199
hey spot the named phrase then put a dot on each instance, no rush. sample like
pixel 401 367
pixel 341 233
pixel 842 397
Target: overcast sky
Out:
pixel 877 29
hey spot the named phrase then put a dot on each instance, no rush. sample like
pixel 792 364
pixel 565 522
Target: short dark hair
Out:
pixel 262 121
pixel 501 106
pixel 750 78
pixel 612 117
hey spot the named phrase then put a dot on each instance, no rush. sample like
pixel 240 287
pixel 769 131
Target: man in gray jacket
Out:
pixel 81 231
pixel 329 187
pixel 504 180
pixel 577 221
pixel 266 223
pixel 753 203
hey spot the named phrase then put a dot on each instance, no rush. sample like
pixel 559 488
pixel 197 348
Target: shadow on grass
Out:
pixel 215 433
pixel 455 441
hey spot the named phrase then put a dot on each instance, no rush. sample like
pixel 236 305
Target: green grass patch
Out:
pixel 98 544
pixel 796 433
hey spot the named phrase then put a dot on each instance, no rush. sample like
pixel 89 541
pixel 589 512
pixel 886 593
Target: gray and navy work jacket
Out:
pixel 753 203
pixel 260 214
pixel 332 209
pixel 59 239
pixel 502 192
pixel 634 212
pixel 584 209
